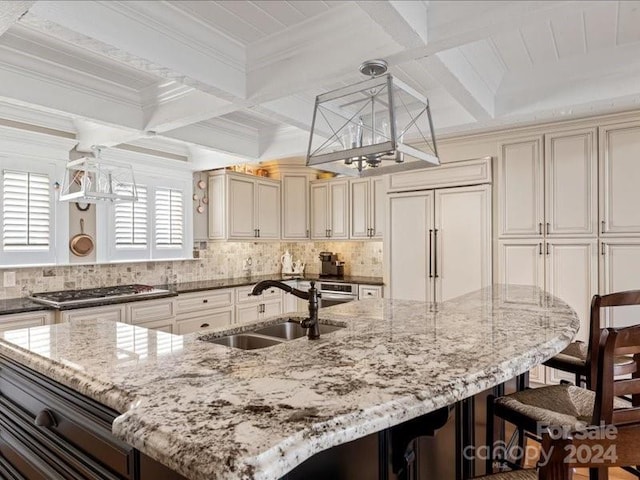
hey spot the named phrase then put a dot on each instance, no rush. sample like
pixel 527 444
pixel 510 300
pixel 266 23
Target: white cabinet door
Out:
pixel 536 374
pixel 242 199
pixel 272 308
pixel 572 275
pixel 377 207
pixel 619 174
pixel 520 188
pixel 217 207
pixel 247 313
pixel 521 262
pixel 571 186
pixel 462 238
pixel 360 207
pixel 409 243
pixel 319 210
pixel 295 207
pixel 620 272
pixel 268 209
pixel 339 209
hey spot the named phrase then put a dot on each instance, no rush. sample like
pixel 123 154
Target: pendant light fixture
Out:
pixel 377 126
pixel 89 179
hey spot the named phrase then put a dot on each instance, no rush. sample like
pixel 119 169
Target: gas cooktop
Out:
pixel 74 297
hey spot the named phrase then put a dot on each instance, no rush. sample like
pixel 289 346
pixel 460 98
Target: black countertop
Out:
pixel 23 305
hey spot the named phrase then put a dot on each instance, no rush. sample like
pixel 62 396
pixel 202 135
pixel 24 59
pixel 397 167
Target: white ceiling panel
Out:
pixel 538 39
pixel 485 61
pixel 600 21
pixel 628 22
pixel 511 49
pixel 282 11
pixel 569 34
pixel 312 8
pixel 257 17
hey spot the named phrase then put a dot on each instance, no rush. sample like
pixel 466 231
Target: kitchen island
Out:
pixel 208 411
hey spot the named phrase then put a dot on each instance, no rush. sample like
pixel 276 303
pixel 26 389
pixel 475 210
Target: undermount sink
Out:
pixel 244 341
pixel 267 336
pixel 292 330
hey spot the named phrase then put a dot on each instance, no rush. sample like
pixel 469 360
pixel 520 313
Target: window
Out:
pixel 26 201
pixel 169 218
pixel 130 219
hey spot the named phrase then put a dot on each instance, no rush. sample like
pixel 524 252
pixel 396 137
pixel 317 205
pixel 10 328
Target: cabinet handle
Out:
pixel 602 225
pixel 369 293
pixel 258 233
pixel 205 301
pixel 602 249
pixel 329 232
pixel 307 233
pixel 540 228
pixel 547 248
pixel 204 325
pixel 540 248
pixel 45 419
pixel 430 253
pixel 435 253
pixel 548 225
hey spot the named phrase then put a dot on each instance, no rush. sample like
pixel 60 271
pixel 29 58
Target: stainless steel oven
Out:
pixel 334 293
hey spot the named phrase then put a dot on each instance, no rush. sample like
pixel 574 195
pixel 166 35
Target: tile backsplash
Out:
pixel 215 260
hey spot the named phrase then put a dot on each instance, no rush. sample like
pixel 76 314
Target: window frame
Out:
pixel 26 256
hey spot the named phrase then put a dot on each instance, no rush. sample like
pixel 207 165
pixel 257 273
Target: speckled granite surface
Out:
pixel 211 412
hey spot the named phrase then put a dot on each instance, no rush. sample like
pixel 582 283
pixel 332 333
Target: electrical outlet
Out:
pixel 247 264
pixel 9 279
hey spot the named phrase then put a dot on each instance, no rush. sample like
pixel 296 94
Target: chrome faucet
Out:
pixel 310 324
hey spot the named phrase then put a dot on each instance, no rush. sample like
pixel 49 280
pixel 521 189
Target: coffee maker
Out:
pixel 331 266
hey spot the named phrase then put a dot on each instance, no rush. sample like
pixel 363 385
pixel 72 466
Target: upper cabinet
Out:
pixel 520 188
pixel 295 206
pixel 619 175
pixel 367 208
pixel 243 207
pixel 330 209
pixel 550 191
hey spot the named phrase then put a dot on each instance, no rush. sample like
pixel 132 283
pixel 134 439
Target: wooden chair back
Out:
pixel 598 302
pixel 618 342
pixel 597 447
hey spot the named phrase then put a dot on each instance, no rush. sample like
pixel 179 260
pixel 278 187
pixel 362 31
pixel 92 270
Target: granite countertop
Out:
pixel 212 412
pixel 23 305
pixel 187 287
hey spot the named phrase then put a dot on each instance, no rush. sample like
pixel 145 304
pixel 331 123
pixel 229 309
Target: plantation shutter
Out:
pixel 26 211
pixel 131 222
pixel 169 217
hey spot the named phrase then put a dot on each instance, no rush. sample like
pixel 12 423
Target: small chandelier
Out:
pixel 89 179
pixel 377 126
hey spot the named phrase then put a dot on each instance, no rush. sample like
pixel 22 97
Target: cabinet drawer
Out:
pixel 25 320
pixel 150 310
pixel 242 295
pixel 115 313
pixel 69 422
pixel 369 291
pixel 217 318
pixel 199 301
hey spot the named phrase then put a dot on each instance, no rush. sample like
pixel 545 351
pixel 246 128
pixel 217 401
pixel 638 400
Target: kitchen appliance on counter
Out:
pixel 331 266
pixel 66 298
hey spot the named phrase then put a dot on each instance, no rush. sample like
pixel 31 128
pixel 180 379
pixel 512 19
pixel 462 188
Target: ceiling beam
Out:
pixel 11 12
pixel 456 75
pixel 405 21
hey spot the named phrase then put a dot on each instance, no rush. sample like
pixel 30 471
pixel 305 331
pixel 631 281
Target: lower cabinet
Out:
pixel 48 431
pixel 26 320
pixel 115 313
pixel 369 291
pixel 219 317
pixel 251 312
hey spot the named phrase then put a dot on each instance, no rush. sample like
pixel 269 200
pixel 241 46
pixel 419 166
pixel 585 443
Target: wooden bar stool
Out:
pixel 560 464
pixel 571 407
pixel 580 358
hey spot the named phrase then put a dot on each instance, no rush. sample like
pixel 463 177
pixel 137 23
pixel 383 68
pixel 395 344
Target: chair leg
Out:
pixel 490 434
pixel 598 474
pixel 578 380
pixel 522 442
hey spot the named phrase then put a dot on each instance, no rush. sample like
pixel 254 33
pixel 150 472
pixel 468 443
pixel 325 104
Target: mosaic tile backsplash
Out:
pixel 215 260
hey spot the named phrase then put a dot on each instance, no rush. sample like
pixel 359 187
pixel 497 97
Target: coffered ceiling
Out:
pixel 222 82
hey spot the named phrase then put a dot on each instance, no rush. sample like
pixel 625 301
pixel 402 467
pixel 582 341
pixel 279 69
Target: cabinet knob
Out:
pixel 205 300
pixel 369 293
pixel 204 325
pixel 45 419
